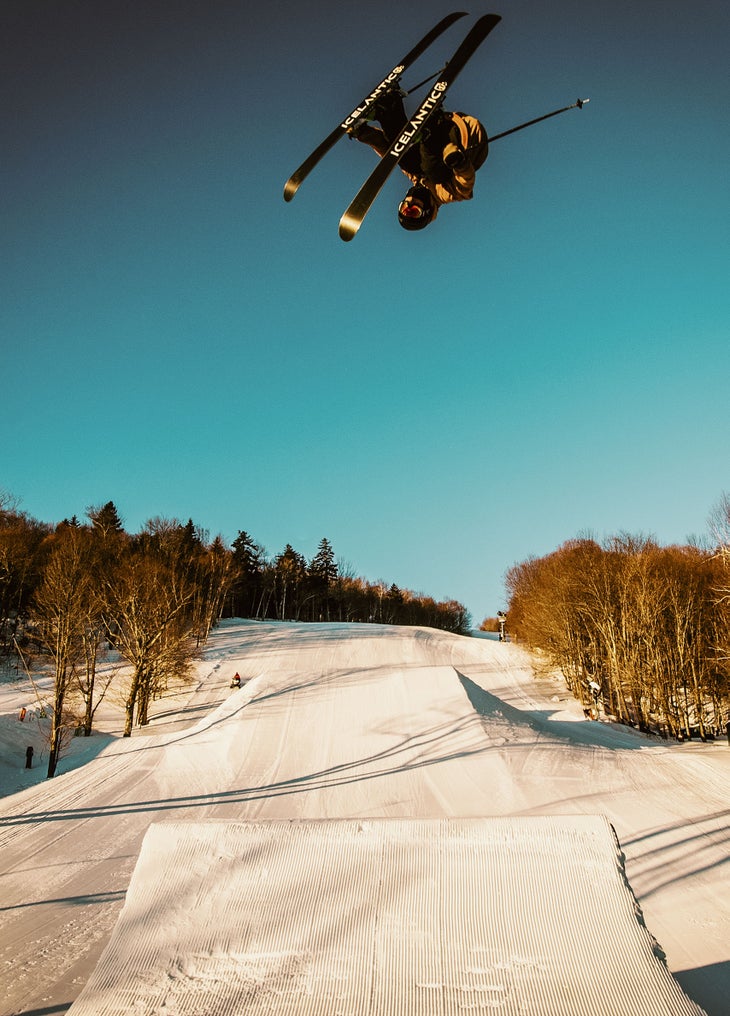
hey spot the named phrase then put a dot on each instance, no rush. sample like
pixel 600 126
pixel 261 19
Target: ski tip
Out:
pixel 290 188
pixel 348 227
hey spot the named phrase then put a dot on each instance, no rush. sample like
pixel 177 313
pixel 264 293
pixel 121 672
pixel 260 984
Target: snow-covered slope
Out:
pixel 348 722
pixel 397 916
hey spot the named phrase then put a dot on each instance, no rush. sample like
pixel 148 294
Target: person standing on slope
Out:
pixel 442 166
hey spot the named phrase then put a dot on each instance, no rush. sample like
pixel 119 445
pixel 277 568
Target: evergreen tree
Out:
pixel 105 518
pixel 290 569
pixel 248 567
pixel 323 575
pixel 22 552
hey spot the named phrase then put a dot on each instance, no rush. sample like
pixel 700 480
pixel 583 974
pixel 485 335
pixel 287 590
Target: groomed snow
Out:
pixel 361 724
pixel 518 915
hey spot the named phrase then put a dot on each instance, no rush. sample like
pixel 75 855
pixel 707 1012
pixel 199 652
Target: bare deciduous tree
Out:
pixel 150 620
pixel 61 611
pixel 630 623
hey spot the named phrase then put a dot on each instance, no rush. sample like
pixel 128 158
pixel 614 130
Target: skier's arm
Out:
pixel 456 183
pixel 459 188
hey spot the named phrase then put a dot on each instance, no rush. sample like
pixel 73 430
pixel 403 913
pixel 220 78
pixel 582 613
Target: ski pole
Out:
pixel 425 80
pixel 579 104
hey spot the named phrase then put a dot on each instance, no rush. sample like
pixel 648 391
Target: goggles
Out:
pixel 411 210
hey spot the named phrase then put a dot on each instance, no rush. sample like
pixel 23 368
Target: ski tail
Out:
pixel 292 184
pixel 389 81
pixel 361 203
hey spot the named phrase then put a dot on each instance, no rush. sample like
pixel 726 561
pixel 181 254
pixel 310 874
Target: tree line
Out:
pixel 72 590
pixel 287 586
pixel 639 630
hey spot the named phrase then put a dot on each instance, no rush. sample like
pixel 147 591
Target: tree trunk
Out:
pixel 54 747
pixel 130 704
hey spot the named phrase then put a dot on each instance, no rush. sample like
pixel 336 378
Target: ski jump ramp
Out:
pixel 440 917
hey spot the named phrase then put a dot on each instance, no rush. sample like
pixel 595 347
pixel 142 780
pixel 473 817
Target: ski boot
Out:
pixel 386 110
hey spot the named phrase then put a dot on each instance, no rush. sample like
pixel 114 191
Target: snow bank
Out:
pixel 384 916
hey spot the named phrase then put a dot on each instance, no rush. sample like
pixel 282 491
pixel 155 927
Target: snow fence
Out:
pixel 380 917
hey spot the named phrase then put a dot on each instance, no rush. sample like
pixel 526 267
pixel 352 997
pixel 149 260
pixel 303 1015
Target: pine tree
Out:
pixel 248 566
pixel 323 574
pixel 291 571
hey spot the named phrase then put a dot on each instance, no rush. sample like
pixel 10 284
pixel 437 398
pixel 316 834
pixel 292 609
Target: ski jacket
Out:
pixel 424 164
pixel 453 184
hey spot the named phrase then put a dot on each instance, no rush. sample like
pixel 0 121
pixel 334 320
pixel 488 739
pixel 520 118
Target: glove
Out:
pixel 453 156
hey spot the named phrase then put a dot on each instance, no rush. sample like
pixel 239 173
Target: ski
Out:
pixel 389 81
pixel 361 203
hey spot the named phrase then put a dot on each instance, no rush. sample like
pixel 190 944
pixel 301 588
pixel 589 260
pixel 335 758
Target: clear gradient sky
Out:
pixel 550 359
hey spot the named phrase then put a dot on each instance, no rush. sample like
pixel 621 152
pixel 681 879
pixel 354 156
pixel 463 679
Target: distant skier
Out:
pixel 442 167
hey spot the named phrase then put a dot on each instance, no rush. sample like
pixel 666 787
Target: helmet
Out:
pixel 417 208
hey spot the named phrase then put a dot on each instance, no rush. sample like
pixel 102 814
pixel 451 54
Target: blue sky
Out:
pixel 549 359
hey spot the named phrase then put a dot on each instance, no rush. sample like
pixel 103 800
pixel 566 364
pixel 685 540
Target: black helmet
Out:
pixel 417 208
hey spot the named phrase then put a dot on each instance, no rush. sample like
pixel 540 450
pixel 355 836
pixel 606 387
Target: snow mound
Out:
pixel 385 916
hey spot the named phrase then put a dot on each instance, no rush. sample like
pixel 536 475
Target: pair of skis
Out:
pixel 363 200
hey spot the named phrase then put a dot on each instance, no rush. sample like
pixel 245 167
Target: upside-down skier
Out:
pixel 442 165
pixel 439 152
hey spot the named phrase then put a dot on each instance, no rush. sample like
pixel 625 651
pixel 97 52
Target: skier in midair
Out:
pixel 442 166
pixel 440 152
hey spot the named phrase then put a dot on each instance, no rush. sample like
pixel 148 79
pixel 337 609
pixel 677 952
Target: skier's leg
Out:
pixel 389 112
pixel 411 163
pixel 393 119
pixel 372 136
